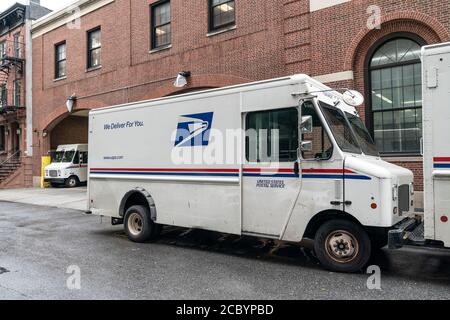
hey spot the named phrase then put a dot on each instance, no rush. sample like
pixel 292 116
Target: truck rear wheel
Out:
pixel 139 226
pixel 342 246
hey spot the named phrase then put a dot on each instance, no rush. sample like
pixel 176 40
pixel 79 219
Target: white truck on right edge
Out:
pixel 434 228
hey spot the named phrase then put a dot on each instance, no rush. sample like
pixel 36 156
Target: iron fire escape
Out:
pixel 11 69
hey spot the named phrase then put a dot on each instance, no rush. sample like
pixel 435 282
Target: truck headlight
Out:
pixel 411 188
pixel 59 173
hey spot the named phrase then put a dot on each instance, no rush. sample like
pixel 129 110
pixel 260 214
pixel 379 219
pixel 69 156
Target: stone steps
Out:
pixel 8 169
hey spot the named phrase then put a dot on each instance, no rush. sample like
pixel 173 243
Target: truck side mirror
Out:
pixel 353 98
pixel 307 125
pixel 307 146
pixel 81 157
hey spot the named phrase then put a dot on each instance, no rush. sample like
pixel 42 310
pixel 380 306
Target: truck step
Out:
pixel 417 236
pixel 398 237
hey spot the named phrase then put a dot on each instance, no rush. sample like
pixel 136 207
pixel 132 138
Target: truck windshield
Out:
pixel 340 128
pixel 365 140
pixel 349 131
pixel 64 156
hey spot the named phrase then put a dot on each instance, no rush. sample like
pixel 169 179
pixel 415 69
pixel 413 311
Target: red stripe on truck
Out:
pixel 165 170
pixel 442 159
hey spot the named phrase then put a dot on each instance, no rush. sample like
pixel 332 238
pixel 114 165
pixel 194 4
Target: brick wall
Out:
pixel 342 41
pixel 71 130
pixel 131 73
pixel 417 169
pixel 272 38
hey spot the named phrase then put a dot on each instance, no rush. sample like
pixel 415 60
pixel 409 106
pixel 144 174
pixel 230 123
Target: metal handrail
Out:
pixel 10 157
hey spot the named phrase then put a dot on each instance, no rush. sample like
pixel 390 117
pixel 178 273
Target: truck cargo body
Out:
pixel 436 141
pixel 275 159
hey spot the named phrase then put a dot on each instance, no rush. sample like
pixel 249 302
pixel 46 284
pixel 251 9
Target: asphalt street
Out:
pixel 38 245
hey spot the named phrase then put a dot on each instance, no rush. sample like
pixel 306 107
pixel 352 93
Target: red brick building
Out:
pixel 107 52
pixel 15 26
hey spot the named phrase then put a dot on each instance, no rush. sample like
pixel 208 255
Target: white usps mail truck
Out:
pixel 287 159
pixel 69 166
pixel 433 229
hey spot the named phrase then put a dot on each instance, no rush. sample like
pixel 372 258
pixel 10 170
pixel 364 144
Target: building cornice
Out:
pixel 12 18
pixel 12 9
pixel 65 15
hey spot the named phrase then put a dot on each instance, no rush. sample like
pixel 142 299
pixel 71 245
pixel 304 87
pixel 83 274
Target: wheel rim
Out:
pixel 135 224
pixel 72 182
pixel 342 246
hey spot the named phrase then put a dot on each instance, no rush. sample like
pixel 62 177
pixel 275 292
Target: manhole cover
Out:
pixel 3 270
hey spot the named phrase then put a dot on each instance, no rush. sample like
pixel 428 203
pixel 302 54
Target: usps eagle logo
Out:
pixel 194 130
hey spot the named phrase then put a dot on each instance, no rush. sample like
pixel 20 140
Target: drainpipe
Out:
pixel 29 86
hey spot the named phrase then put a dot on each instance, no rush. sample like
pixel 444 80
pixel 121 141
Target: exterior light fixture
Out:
pixel 71 102
pixel 44 133
pixel 181 80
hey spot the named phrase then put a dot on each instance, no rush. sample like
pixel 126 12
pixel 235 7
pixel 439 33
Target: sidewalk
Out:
pixel 54 197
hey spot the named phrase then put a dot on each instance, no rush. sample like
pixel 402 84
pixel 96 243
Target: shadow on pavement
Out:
pixel 421 265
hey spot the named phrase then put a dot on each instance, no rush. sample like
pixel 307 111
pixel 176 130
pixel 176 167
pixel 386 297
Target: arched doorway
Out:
pixel 73 129
pixel 394 82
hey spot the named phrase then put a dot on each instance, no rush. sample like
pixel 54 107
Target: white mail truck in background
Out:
pixel 68 167
pixel 286 159
pixel 433 228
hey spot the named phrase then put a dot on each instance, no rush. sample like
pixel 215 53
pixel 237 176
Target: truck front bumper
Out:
pixel 407 232
pixel 55 180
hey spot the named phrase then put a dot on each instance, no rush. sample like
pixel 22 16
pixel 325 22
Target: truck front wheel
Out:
pixel 342 246
pixel 72 182
pixel 139 226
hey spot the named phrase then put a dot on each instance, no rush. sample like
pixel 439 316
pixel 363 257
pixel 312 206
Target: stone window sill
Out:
pixel 59 79
pixel 93 69
pixel 161 49
pixel 220 31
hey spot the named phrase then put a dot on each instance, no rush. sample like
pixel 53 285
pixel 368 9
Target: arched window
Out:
pixel 396 96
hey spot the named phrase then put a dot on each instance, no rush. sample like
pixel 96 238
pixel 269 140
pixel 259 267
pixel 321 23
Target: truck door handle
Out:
pixel 296 168
pixel 338 203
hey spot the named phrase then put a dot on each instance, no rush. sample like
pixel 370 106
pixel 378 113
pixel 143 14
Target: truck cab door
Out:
pixel 322 168
pixel 271 175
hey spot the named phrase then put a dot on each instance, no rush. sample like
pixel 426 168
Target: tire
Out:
pixel 139 226
pixel 72 182
pixel 342 246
